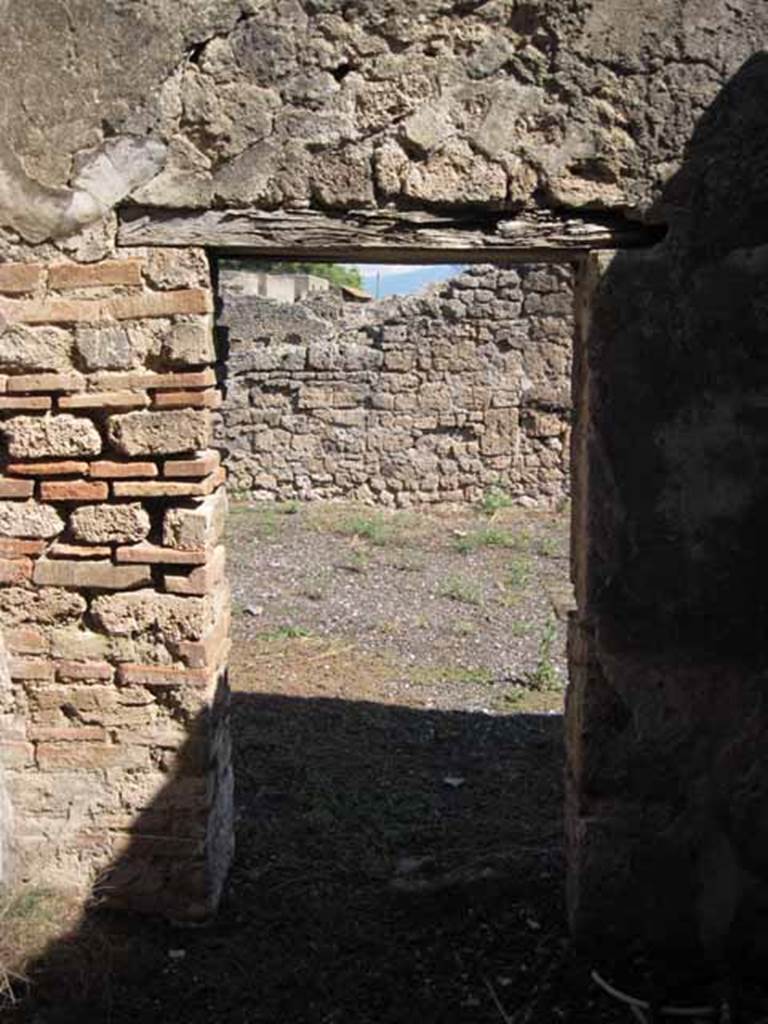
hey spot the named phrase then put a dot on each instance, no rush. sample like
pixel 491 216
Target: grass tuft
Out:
pixel 494 499
pixel 461 589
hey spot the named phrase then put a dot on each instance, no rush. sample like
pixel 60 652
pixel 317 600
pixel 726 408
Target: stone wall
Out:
pixel 6 809
pixel 113 603
pixel 436 397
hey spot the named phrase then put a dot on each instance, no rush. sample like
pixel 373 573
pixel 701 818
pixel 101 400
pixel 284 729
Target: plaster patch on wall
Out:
pixel 103 177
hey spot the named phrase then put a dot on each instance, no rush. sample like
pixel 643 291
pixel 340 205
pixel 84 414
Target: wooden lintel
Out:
pixel 382 234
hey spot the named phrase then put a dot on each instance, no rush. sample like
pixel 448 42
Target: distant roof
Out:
pixel 356 294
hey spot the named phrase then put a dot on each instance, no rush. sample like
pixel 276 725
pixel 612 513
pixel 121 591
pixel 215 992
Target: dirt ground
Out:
pixel 397 693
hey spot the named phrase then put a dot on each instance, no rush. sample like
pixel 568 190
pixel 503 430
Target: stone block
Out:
pixel 96 574
pixel 25 349
pixel 110 524
pixel 29 519
pixel 72 643
pixel 196 526
pixel 170 617
pixel 45 606
pixel 33 437
pixel 160 433
pixel 177 268
pixel 189 343
pixel 107 348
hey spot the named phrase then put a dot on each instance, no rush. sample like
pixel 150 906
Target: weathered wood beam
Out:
pixel 384 234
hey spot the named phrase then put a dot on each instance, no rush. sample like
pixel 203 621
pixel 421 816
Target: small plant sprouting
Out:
pixel 518 573
pixel 458 588
pixel 287 633
pixel 544 676
pixel 494 500
pixel 372 528
pixel 485 537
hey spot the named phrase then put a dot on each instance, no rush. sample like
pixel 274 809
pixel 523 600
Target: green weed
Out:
pixel 287 633
pixel 518 573
pixel 494 500
pixel 459 588
pixel 544 676
pixel 373 528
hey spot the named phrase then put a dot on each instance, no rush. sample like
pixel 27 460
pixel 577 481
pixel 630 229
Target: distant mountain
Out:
pixel 407 282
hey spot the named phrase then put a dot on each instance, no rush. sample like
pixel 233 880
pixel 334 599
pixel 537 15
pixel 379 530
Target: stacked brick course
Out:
pixel 113 600
pixel 435 397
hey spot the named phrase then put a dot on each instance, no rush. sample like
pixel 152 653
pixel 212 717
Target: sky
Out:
pixel 403 278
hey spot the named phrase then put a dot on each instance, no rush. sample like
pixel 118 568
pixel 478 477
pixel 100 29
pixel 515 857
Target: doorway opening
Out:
pixel 399 534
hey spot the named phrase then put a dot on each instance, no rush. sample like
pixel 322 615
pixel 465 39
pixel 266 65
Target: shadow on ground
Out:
pixel 393 865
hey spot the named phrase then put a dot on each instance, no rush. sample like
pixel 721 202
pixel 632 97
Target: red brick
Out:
pixel 210 399
pixel 31 668
pixel 200 466
pixel 106 400
pixel 94 275
pixel 66 468
pixel 170 488
pixel 45 382
pixel 68 734
pixel 16 278
pixel 94 756
pixel 74 490
pixel 26 640
pixel 123 470
pixel 202 580
pixel 16 488
pixel 37 403
pixel 145 554
pixel 151 381
pixel 127 307
pixel 80 551
pixel 211 652
pixel 151 304
pixel 15 570
pixel 102 575
pixel 16 753
pixel 73 671
pixel 10 547
pixel 163 675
